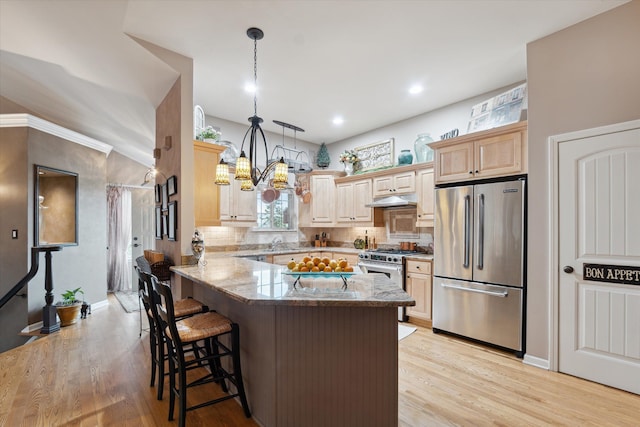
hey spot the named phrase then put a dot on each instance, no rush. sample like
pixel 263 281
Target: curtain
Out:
pixel 119 230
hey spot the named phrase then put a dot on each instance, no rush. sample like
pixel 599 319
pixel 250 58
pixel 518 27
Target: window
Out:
pixel 279 214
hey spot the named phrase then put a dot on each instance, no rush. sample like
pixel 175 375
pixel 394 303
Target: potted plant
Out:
pixel 209 134
pixel 69 308
pixel 349 158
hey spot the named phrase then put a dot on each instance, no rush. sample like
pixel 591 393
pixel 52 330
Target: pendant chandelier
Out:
pixel 246 169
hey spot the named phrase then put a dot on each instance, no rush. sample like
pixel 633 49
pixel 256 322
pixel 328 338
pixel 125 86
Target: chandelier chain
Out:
pixel 255 77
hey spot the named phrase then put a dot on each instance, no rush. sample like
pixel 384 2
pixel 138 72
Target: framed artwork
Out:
pixel 378 155
pixel 165 197
pixel 172 184
pixel 158 223
pixel 503 109
pixel 172 220
pixel 158 193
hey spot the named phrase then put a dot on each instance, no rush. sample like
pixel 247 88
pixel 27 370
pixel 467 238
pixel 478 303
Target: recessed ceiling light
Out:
pixel 415 89
pixel 250 87
pixel 338 120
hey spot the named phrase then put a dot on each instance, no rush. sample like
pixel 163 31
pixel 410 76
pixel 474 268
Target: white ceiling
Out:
pixel 73 63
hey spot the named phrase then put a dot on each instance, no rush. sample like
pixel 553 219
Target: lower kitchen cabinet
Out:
pixel 418 284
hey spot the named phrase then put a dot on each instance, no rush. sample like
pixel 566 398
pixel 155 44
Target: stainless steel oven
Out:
pixel 389 262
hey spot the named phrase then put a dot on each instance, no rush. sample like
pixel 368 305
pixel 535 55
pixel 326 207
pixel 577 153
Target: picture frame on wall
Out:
pixel 158 223
pixel 165 197
pixel 172 221
pixel 172 185
pixel 158 189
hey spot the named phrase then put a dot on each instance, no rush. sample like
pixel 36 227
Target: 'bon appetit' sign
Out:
pixel 627 275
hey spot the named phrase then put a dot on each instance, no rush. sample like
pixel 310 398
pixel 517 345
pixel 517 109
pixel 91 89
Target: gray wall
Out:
pixel 584 76
pixel 14 253
pixel 83 265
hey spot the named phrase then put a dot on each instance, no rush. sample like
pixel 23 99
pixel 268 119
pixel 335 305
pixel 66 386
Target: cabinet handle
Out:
pixel 476 171
pixel 417 267
pixel 471 172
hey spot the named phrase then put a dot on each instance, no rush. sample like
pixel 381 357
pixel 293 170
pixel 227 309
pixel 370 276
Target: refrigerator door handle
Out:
pixel 481 232
pixel 467 224
pixel 480 291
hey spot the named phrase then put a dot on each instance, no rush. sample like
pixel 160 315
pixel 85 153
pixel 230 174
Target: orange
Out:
pixel 310 264
pixel 291 264
pixel 333 264
pixel 321 266
pixel 316 261
pixel 348 269
pixel 327 269
pixel 315 269
pixel 303 269
pixel 343 263
pixel 338 269
pixel 300 265
pixel 306 259
pixel 326 260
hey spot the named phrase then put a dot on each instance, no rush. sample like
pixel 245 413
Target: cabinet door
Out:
pixel 344 202
pixel 322 199
pixel 425 206
pixel 404 183
pixel 383 186
pixel 418 283
pixel 225 201
pixel 206 192
pixel 244 204
pixel 454 163
pixel 361 197
pixel 500 155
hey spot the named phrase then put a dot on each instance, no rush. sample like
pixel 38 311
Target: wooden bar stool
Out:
pixel 206 328
pixel 157 340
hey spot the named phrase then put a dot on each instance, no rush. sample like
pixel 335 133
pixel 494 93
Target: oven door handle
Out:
pixel 381 268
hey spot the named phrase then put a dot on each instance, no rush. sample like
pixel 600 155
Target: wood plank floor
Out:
pixel 96 373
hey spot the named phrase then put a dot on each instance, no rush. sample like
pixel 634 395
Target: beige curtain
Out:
pixel 119 230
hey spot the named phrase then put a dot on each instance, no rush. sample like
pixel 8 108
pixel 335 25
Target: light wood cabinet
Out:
pixel 206 192
pixel 487 154
pixel 351 200
pixel 418 283
pixel 237 207
pixel 398 183
pixel 424 189
pixel 320 210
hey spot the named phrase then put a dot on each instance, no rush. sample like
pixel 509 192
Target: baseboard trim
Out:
pixel 536 361
pixel 34 328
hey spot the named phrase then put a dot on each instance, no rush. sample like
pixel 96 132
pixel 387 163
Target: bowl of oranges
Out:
pixel 320 266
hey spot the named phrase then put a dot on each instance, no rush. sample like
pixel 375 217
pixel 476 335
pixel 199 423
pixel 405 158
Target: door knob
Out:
pixel 135 245
pixel 567 269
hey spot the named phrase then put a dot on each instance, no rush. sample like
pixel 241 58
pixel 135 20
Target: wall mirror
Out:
pixel 56 207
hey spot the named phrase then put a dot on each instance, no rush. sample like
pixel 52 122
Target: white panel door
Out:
pixel 142 227
pixel 599 222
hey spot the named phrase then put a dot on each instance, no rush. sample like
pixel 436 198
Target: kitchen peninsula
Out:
pixel 314 354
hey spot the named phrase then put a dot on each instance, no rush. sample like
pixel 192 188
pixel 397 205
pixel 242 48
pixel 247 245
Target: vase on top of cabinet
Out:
pixel 405 157
pixel 424 153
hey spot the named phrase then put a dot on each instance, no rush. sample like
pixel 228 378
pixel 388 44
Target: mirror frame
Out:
pixel 36 205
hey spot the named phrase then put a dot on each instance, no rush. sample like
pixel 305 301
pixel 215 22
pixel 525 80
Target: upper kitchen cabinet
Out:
pixel 424 190
pixel 237 208
pixel 395 183
pixel 351 200
pixel 492 153
pixel 319 211
pixel 206 197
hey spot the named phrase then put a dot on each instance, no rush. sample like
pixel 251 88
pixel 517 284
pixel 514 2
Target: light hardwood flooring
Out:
pixel 96 373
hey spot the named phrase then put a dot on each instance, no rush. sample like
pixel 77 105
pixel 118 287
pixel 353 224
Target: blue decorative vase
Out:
pixel 424 153
pixel 405 157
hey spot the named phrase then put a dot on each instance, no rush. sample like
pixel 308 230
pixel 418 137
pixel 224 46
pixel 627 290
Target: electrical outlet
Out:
pixel 14 234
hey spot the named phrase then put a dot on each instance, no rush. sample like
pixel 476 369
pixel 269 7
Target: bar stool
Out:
pixel 157 340
pixel 206 328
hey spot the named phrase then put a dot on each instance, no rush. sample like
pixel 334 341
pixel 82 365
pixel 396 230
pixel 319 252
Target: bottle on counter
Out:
pixel 366 240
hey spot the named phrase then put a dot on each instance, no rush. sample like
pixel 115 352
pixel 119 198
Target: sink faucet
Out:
pixel 275 242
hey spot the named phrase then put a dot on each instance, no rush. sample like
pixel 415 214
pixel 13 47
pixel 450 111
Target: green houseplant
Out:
pixel 69 308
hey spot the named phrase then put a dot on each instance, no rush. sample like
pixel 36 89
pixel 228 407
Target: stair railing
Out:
pixel 49 320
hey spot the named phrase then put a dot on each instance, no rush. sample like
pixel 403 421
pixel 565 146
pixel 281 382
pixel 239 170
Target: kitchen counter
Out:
pixel 316 355
pixel 282 251
pixel 251 282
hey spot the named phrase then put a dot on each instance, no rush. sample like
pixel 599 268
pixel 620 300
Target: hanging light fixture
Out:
pixel 246 169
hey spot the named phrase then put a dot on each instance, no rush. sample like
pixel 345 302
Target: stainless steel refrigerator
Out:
pixel 479 262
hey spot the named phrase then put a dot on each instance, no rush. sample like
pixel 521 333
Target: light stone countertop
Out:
pixel 280 251
pixel 259 283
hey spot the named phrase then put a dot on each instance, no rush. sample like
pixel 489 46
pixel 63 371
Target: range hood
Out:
pixel 406 200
